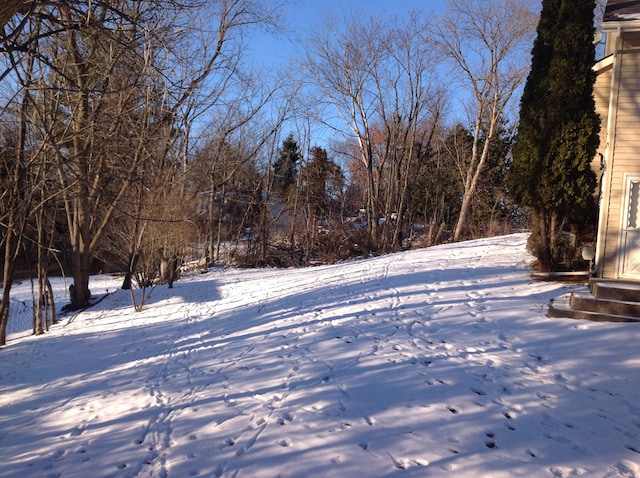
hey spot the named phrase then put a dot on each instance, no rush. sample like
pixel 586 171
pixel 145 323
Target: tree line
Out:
pixel 138 136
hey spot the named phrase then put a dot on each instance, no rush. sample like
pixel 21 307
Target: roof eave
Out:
pixel 626 25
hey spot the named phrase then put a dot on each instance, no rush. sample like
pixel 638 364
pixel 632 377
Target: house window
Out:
pixel 634 199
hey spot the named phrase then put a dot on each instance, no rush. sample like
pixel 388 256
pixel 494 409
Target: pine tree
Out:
pixel 323 177
pixel 317 173
pixel 558 129
pixel 285 167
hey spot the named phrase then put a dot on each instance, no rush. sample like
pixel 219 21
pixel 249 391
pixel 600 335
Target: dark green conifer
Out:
pixel 558 128
pixel 285 168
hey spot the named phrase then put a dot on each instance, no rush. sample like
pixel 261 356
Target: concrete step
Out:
pixel 561 308
pixel 589 303
pixel 615 290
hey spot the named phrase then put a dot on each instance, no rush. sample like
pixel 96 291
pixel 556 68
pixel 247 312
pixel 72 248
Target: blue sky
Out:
pixel 301 14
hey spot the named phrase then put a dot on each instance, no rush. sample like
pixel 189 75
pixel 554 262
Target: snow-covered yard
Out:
pixel 433 362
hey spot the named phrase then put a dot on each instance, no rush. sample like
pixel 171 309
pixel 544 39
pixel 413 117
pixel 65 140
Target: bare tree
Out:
pixel 339 60
pixel 23 176
pixel 120 77
pixel 375 74
pixel 486 43
pixel 226 160
pixel 10 8
pixel 14 206
pixel 410 106
pixel 103 107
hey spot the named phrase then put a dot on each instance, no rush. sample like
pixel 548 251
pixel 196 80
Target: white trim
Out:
pixel 603 64
pixel 627 179
pixel 628 25
pixel 603 209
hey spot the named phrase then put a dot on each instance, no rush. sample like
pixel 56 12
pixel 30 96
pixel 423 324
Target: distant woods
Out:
pixel 138 137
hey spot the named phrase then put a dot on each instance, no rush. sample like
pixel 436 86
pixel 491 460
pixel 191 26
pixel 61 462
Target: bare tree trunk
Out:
pixel 135 242
pixel 494 32
pixel 17 210
pixel 41 270
pixel 81 260
pixel 555 232
pixel 474 172
pixel 11 243
pixel 294 215
pixel 544 245
pixel 5 305
pixel 218 238
pixel 51 303
pixel 138 306
pixel 213 240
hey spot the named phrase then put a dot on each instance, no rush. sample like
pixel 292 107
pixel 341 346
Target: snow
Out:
pixel 431 362
pixel 628 16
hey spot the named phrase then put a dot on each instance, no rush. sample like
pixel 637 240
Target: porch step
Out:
pixel 615 290
pixel 590 303
pixel 562 308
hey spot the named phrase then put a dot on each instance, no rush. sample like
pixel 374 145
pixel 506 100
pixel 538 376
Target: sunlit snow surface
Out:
pixel 433 362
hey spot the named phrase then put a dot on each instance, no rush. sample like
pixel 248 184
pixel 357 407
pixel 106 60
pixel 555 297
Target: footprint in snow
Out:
pixel 421 361
pixel 479 392
pixel 633 448
pixel 564 471
pixel 476 295
pixel 77 431
pixel 510 415
pixel 455 450
pixel 533 453
pixel 284 419
pixel 453 409
pixel 490 441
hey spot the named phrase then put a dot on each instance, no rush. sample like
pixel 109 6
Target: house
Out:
pixel 615 285
pixel 617 93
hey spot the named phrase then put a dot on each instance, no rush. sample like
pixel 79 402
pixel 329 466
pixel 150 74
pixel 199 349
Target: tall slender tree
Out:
pixel 484 41
pixel 558 129
pixel 14 206
pixel 285 167
pixel 320 172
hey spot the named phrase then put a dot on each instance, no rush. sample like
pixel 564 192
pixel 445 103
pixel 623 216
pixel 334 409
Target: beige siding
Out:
pixel 625 157
pixel 601 91
pixel 630 41
pixel 610 42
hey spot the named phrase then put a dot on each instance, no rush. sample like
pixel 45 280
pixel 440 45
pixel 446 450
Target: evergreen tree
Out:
pixel 316 177
pixel 558 129
pixel 323 179
pixel 285 167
